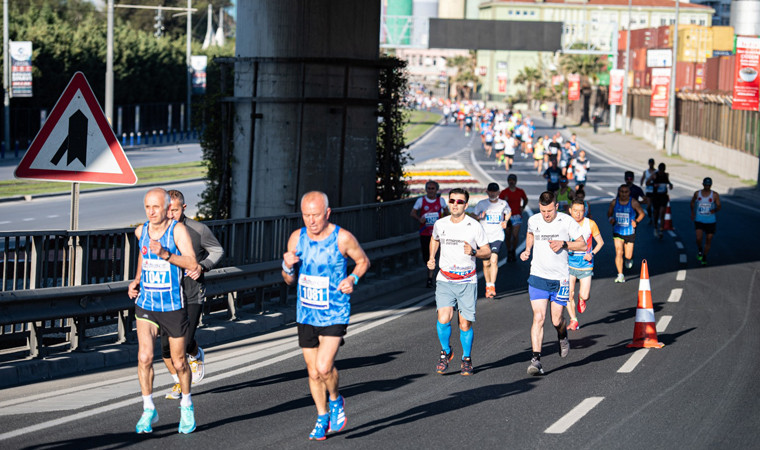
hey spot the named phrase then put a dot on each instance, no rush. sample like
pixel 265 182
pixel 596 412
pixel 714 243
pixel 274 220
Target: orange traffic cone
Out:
pixel 668 222
pixel 644 332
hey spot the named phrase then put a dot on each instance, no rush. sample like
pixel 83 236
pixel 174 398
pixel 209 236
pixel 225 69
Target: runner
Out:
pixel 581 264
pixel 661 182
pixel 538 156
pixel 649 187
pixel 165 249
pixel 553 233
pixel 493 214
pixel 552 175
pixel 705 203
pixel 509 151
pixel 209 252
pixel 517 201
pixel 624 214
pixel 581 167
pixel 461 239
pixel 426 210
pixel 565 195
pixel 636 192
pixel 319 252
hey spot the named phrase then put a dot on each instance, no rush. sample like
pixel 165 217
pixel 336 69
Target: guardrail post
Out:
pixel 77 333
pixel 35 340
pixel 231 300
pixel 124 322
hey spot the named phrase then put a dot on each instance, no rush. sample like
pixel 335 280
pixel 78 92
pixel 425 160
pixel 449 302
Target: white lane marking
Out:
pixel 675 295
pixel 681 275
pixel 682 258
pixel 28 219
pixel 574 415
pixel 4 222
pixel 672 233
pixel 53 216
pixel 633 361
pixel 663 323
pixel 611 194
pixel 679 245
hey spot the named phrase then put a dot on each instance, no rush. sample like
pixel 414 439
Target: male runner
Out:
pixel 209 252
pixel 493 214
pixel 553 233
pixel 552 175
pixel 426 210
pixel 649 187
pixel 581 166
pixel 564 195
pixel 624 214
pixel 165 249
pixel 636 192
pixel 705 203
pixel 517 201
pixel 319 251
pixel 581 264
pixel 661 182
pixel 461 239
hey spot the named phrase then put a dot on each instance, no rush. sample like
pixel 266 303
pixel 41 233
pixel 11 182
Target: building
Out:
pixel 722 9
pixel 585 21
pixel 745 17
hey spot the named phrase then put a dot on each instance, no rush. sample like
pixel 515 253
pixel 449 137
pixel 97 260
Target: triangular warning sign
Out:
pixel 76 143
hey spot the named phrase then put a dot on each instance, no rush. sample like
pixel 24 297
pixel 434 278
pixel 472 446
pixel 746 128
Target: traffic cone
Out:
pixel 645 332
pixel 668 222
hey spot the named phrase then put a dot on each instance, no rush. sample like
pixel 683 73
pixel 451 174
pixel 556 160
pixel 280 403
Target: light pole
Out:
pixel 627 67
pixel 109 64
pixel 671 135
pixel 6 94
pixel 189 68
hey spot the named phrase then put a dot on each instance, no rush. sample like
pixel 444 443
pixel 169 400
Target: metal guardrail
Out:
pixel 251 266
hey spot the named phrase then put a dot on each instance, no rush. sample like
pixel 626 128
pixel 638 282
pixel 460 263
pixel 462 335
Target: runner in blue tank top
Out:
pixel 624 214
pixel 165 249
pixel 705 203
pixel 319 252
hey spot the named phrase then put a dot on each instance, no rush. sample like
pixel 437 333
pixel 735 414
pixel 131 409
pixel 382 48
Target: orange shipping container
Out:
pixel 685 76
pixel 638 59
pixel 726 77
pixel 638 78
pixel 712 73
pixel 699 76
pixel 622 43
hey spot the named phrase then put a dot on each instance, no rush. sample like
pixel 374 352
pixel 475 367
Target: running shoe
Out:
pixel 175 393
pixel 337 414
pixel 443 362
pixel 628 263
pixel 197 366
pixel 659 234
pixel 581 305
pixel 703 261
pixel 573 325
pixel 490 291
pixel 186 419
pixel 564 347
pixel 620 278
pixel 148 418
pixel 535 367
pixel 429 283
pixel 700 256
pixel 319 433
pixel 466 366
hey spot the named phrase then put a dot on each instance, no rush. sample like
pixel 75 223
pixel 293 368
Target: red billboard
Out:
pixel 658 106
pixel 617 77
pixel 573 87
pixel 746 79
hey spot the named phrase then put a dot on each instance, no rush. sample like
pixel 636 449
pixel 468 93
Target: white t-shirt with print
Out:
pixel 546 263
pixel 458 266
pixel 495 213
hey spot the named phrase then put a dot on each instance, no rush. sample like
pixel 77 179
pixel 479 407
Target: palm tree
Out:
pixel 587 66
pixel 530 77
pixel 465 66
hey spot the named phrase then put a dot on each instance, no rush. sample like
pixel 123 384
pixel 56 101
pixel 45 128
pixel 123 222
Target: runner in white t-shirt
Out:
pixel 493 214
pixel 461 239
pixel 550 235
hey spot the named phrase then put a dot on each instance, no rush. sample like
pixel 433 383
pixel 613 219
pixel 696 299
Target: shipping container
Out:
pixel 644 38
pixel 695 44
pixel 638 59
pixel 621 59
pixel 622 43
pixel 723 39
pixel 726 77
pixel 638 78
pixel 647 77
pixel 684 76
pixel 712 73
pixel 699 76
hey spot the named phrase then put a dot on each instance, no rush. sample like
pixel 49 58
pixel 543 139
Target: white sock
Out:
pixel 148 402
pixel 175 377
pixel 490 284
pixel 186 400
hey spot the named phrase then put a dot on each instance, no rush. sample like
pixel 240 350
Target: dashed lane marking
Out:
pixel 679 245
pixel 681 275
pixel 682 258
pixel 28 219
pixel 574 415
pixel 633 361
pixel 675 295
pixel 663 323
pixel 672 233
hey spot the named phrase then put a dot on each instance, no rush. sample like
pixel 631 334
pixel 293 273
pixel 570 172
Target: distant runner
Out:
pixel 705 203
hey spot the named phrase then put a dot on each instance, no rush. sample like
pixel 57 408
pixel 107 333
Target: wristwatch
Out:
pixel 564 245
pixel 473 252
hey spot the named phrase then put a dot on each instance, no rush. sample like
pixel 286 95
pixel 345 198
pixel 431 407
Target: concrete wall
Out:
pixel 292 146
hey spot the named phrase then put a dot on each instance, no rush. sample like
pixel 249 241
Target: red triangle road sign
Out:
pixel 76 143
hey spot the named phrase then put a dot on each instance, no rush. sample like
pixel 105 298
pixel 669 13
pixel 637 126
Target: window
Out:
pixel 642 21
pixel 693 21
pixel 532 13
pixel 701 21
pixel 509 12
pixel 663 21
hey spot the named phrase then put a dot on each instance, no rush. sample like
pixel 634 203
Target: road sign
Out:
pixel 78 130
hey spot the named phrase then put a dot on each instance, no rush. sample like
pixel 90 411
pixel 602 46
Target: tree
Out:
pixel 587 66
pixel 392 153
pixel 465 66
pixel 530 77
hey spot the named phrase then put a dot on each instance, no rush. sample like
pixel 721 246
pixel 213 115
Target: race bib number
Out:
pixel 554 177
pixel 493 218
pixel 156 275
pixel 430 218
pixel 313 291
pixel 705 209
pixel 622 219
pixel 563 294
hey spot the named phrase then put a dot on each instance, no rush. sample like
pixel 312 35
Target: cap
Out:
pixel 628 174
pixel 492 187
pixel 707 181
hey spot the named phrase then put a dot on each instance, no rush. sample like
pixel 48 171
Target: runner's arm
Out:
pixel 290 259
pixel 528 246
pixel 434 244
pixel 640 212
pixel 350 247
pixel 578 245
pixel 134 286
pixel 212 247
pixel 692 203
pixel 186 259
pixel 717 201
pixel 610 212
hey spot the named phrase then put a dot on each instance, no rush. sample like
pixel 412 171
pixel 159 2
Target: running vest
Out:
pixel 563 199
pixel 431 211
pixel 624 215
pixel 575 259
pixel 705 212
pixel 160 281
pixel 322 268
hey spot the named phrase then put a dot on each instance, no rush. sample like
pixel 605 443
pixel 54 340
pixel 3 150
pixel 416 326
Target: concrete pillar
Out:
pixel 300 59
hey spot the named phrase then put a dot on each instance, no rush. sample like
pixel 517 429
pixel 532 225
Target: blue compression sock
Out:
pixel 466 338
pixel 444 335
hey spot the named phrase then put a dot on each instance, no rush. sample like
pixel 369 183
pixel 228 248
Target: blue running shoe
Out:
pixel 319 433
pixel 186 419
pixel 337 414
pixel 148 418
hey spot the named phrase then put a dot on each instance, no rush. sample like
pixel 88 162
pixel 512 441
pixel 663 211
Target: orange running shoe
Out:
pixel 490 291
pixel 581 305
pixel 573 325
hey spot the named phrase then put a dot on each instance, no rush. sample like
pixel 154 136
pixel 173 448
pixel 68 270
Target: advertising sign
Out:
pixel 482 71
pixel 573 87
pixel 746 79
pixel 658 106
pixel 617 77
pixel 557 80
pixel 501 78
pixel 21 68
pixel 199 64
pixel 659 57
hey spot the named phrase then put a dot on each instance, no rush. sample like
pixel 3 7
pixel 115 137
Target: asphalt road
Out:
pixel 697 392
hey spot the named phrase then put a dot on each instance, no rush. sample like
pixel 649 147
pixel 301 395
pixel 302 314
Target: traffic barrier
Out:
pixel 139 138
pixel 645 332
pixel 668 221
pixel 131 139
pixel 123 139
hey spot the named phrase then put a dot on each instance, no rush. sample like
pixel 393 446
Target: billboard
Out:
pixel 658 106
pixel 21 68
pixel 746 79
pixel 573 87
pixel 617 77
pixel 199 64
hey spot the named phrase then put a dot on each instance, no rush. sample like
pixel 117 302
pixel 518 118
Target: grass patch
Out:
pixel 145 175
pixel 419 122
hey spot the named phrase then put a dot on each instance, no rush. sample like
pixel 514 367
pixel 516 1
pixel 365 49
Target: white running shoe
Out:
pixel 175 393
pixel 620 278
pixel 198 366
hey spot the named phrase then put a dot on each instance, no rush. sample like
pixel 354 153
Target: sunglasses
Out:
pixel 456 201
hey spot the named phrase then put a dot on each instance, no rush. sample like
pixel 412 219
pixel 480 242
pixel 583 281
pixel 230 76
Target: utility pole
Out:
pixel 671 135
pixel 627 68
pixel 109 64
pixel 6 71
pixel 189 67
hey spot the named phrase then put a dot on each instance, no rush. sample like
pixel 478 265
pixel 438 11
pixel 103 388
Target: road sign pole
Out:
pixel 73 226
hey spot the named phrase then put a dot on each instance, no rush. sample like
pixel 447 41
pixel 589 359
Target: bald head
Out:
pixel 317 198
pixel 160 193
pixel 156 204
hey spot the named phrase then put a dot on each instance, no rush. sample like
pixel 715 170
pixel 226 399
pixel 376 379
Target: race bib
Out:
pixel 156 275
pixel 705 209
pixel 430 218
pixel 563 294
pixel 622 219
pixel 313 291
pixel 554 177
pixel 493 218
